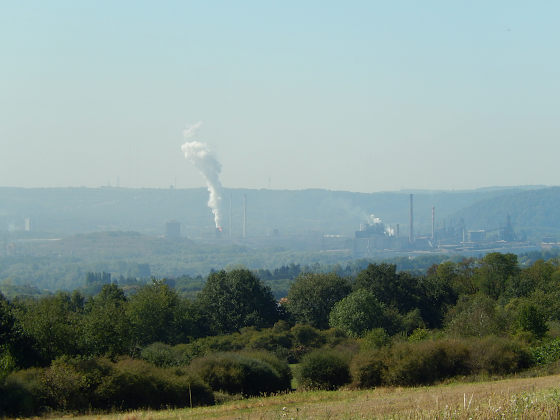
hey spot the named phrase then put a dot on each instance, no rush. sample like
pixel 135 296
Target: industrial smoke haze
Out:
pixel 202 158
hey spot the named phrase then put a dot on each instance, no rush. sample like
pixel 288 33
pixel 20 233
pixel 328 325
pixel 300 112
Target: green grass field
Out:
pixel 523 398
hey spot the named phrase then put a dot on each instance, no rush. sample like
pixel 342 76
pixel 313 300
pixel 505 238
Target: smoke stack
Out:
pixel 244 215
pixel 230 199
pixel 411 232
pixel 433 223
pixel 398 230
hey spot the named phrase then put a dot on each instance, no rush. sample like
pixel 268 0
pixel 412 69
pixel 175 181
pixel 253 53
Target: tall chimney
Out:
pixel 244 215
pixel 230 198
pixel 411 224
pixel 433 223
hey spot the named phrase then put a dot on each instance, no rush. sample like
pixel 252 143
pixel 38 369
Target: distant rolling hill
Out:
pixel 535 212
pixel 66 211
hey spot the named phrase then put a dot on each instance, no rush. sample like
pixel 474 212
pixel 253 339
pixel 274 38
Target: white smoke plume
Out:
pixel 204 160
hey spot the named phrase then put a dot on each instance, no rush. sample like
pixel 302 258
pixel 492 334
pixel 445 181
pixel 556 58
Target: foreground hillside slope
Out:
pixel 510 398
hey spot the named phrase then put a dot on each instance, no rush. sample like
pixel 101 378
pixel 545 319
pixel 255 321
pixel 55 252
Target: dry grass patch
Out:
pixel 511 398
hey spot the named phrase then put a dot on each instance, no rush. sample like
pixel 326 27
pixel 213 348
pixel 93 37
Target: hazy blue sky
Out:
pixel 355 95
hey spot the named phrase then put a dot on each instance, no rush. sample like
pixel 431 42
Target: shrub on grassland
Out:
pixel 323 369
pixel 137 384
pixel 280 366
pixel 368 369
pixel 236 373
pixel 425 362
pixel 498 355
pixel 83 384
pixel 22 393
pixel 428 361
pixel 164 355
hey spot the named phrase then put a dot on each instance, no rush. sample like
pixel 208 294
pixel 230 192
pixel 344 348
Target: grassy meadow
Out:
pixel 519 398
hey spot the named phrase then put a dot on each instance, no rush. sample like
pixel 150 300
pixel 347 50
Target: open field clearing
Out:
pixel 511 398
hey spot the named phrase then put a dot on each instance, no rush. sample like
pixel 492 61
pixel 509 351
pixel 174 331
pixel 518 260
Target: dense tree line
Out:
pixel 387 324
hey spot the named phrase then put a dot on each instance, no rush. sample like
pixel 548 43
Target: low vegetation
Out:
pixel 68 353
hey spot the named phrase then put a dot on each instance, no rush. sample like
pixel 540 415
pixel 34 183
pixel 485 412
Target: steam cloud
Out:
pixel 204 160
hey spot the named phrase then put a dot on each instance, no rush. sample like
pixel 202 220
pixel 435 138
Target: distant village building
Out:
pixel 173 229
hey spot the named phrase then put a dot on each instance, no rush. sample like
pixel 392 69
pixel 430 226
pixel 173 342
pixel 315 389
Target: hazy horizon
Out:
pixel 403 191
pixel 361 96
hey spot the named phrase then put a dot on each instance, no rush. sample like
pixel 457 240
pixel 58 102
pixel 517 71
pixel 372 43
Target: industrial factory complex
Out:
pixel 308 221
pixel 377 237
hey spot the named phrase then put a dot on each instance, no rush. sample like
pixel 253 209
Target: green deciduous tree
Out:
pixel 155 314
pixel 400 290
pixel 533 319
pixel 476 316
pixel 357 313
pixel 495 273
pixel 235 299
pixel 7 320
pixel 53 323
pixel 312 297
pixel 106 326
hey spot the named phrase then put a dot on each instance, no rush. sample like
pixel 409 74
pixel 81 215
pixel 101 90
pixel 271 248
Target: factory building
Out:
pixel 173 229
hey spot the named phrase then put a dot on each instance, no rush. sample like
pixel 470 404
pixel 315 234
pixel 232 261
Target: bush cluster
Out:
pixel 324 369
pixel 246 374
pixel 80 385
pixel 287 343
pixel 547 352
pixel 409 363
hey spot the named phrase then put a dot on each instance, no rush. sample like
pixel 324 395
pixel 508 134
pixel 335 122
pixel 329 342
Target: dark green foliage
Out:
pixel 164 355
pixel 368 369
pixel 459 275
pixel 375 339
pixel 281 367
pixel 221 343
pixel 236 299
pixel 22 393
pixel 533 319
pixel 83 384
pixel 426 362
pixel 536 276
pixel 307 336
pixel 106 325
pixel 323 369
pixel 495 273
pixel 546 353
pixel 476 316
pixel 312 297
pixel 498 355
pixel 137 384
pixel 236 373
pixel 279 343
pixel 399 290
pixel 288 344
pixel 10 337
pixel 7 320
pixel 157 313
pixel 437 295
pixel 52 324
pixel 357 313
